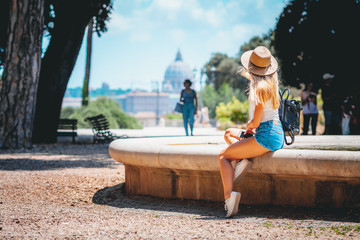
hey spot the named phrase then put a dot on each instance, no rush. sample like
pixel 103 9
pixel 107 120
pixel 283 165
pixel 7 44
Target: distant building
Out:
pixel 74 102
pixel 147 119
pixel 145 102
pixel 175 75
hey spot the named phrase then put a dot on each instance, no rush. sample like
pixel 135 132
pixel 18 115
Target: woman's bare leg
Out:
pixel 227 175
pixel 246 148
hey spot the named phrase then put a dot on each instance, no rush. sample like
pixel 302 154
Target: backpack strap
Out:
pixel 292 136
pixel 291 132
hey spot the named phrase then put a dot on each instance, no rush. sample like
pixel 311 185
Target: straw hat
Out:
pixel 259 61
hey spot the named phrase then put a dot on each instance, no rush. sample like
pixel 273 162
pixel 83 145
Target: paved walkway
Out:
pixel 331 142
pixel 86 135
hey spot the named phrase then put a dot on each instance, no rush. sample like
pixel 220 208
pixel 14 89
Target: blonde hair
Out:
pixel 262 88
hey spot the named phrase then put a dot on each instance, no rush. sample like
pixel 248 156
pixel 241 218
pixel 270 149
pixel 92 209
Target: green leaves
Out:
pixel 232 112
pixel 116 117
pixel 212 98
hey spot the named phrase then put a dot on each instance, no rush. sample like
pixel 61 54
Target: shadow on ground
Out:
pixel 115 196
pixel 27 164
pixel 57 156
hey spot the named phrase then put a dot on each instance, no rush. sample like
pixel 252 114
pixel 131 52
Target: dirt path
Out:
pixel 75 192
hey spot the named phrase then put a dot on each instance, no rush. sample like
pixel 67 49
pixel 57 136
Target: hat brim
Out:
pixel 245 61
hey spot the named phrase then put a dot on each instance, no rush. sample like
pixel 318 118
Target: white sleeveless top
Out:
pixel 268 113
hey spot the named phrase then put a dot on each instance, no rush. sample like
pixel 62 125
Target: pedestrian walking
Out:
pixel 188 97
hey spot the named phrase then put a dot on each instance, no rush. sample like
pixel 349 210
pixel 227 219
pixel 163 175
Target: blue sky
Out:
pixel 144 35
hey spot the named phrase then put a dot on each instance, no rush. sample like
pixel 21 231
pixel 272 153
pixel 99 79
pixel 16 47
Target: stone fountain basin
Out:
pixel 187 168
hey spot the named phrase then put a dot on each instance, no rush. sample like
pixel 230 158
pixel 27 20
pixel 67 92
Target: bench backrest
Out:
pixel 70 124
pixel 98 122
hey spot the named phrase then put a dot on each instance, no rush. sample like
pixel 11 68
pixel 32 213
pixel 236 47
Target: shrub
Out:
pixel 111 109
pixel 173 116
pixel 232 112
pixel 212 98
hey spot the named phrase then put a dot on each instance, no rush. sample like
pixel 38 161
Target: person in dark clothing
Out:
pixel 331 105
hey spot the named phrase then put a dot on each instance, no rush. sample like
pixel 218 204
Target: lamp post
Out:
pixel 157 90
pixel 202 72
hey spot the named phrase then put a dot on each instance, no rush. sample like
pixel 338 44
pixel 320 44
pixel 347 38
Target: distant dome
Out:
pixel 175 75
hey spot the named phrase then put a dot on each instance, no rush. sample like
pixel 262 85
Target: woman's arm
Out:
pixel 255 122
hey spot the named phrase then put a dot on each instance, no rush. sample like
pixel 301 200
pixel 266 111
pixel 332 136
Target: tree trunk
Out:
pixel 85 96
pixel 21 73
pixel 57 66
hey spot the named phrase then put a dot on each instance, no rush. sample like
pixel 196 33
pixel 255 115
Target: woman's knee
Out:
pixel 221 157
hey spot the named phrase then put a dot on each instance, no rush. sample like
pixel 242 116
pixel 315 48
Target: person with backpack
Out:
pixel 264 132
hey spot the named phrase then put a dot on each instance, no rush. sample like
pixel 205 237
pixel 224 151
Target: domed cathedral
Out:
pixel 175 75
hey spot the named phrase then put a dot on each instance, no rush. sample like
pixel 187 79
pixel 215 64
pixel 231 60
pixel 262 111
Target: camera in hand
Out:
pixel 245 135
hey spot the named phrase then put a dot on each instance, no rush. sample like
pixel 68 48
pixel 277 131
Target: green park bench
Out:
pixel 67 128
pixel 100 128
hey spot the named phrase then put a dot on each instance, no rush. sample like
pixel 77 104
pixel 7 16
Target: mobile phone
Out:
pixel 245 135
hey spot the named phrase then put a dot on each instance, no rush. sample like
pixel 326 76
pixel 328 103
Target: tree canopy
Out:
pixel 64 22
pixel 316 37
pixel 225 72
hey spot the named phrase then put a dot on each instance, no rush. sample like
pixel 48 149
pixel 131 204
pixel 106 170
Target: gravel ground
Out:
pixel 65 191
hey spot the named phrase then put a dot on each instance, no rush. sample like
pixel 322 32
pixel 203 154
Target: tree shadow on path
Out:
pixel 26 164
pixel 57 156
pixel 115 196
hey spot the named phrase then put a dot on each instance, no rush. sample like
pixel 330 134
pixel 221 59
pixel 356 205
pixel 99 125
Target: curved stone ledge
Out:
pixel 187 167
pixel 201 154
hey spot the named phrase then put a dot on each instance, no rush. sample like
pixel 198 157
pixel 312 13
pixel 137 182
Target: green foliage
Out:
pixel 343 230
pixel 232 112
pixel 310 38
pixel 256 41
pixel 110 108
pixel 173 116
pixel 67 112
pixel 212 98
pixel 226 68
pixel 225 72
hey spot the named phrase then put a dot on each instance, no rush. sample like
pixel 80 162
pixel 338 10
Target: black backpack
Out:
pixel 289 113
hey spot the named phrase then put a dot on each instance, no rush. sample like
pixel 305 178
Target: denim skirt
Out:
pixel 270 135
